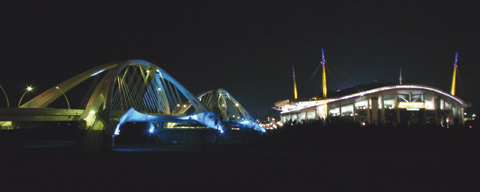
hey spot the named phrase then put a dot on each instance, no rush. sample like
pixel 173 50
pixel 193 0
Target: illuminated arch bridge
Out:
pixel 139 91
pixel 229 110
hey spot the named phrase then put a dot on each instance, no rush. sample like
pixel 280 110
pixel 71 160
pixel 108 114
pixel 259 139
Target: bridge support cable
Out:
pixel 162 97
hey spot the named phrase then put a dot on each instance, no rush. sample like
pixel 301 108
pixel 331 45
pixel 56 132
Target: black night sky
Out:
pixel 246 48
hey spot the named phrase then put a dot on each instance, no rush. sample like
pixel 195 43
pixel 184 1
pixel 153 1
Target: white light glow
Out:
pixel 418 105
pixel 117 130
pixel 152 128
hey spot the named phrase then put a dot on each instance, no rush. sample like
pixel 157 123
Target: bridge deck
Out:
pixel 39 114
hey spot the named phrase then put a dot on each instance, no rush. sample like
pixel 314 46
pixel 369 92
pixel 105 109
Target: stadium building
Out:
pixel 378 103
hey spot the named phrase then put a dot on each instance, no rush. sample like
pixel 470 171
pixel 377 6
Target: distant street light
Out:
pixel 27 90
pixel 6 97
pixel 68 103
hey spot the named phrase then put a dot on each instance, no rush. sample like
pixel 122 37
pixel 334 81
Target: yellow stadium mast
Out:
pixel 324 77
pixel 324 84
pixel 401 78
pixel 454 74
pixel 294 83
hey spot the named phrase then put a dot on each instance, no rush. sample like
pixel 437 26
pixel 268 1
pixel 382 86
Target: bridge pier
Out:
pixel 96 141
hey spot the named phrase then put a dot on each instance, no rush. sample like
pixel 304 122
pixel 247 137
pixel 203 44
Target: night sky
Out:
pixel 246 48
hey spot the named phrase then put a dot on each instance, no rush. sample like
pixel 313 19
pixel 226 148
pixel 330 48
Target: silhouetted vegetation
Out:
pixel 336 135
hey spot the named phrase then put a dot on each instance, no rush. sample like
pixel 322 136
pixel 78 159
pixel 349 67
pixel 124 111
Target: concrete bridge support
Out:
pixel 96 141
pixel 98 137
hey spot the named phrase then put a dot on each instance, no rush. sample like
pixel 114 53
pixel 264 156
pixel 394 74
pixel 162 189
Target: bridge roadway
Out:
pixel 39 114
pixel 46 114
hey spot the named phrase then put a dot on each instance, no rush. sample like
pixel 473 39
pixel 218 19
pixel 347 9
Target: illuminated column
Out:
pixel 340 108
pixel 424 108
pixel 321 111
pixel 374 111
pixel 325 107
pixel 435 106
pixel 354 112
pixel 382 109
pixel 397 111
pixel 369 119
pixel 442 108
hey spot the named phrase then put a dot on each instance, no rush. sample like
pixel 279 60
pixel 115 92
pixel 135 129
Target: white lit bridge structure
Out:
pixel 229 110
pixel 129 91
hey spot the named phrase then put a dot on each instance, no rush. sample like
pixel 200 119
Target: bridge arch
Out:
pixel 228 109
pixel 132 90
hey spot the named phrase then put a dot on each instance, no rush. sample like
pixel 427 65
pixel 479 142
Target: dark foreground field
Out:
pixel 367 160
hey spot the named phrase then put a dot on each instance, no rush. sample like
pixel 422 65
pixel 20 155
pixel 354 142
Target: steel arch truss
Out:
pixel 143 89
pixel 228 109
